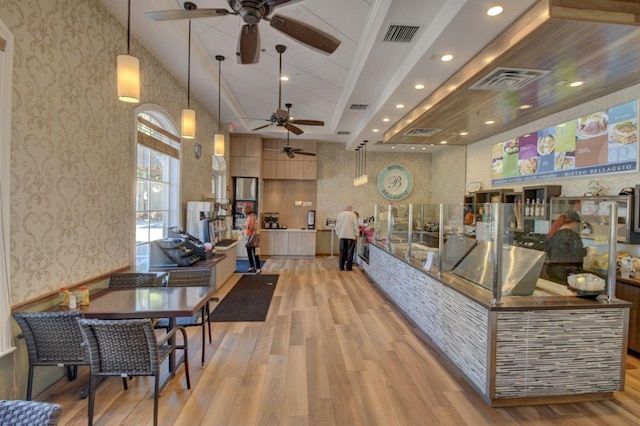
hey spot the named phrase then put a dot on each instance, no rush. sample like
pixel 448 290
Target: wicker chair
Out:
pixel 133 279
pixel 128 347
pixel 190 277
pixel 52 338
pixel 28 413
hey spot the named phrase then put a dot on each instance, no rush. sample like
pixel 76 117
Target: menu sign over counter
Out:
pixel 598 143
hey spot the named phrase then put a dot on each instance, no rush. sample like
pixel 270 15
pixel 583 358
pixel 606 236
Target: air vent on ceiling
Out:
pixel 400 33
pixel 342 132
pixel 421 132
pixel 358 107
pixel 507 79
pixel 379 142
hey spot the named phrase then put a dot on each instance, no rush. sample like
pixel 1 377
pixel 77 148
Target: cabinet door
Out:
pixel 280 243
pixel 308 244
pixel 244 166
pixel 631 293
pixel 309 170
pixel 236 146
pixel 270 169
pixel 266 243
pixel 252 146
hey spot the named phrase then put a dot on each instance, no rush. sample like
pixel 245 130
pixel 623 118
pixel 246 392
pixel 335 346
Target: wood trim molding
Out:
pixel 157 145
pixel 159 129
pixel 48 296
pixel 608 11
pixel 3 44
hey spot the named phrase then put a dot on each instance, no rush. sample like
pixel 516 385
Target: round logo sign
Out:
pixel 395 182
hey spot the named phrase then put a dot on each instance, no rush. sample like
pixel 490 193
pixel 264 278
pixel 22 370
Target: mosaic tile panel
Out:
pixel 545 353
pixel 454 323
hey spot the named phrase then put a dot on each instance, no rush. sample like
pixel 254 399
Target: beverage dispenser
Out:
pixel 311 219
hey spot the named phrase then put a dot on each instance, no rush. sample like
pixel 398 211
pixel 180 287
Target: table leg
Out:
pixel 172 341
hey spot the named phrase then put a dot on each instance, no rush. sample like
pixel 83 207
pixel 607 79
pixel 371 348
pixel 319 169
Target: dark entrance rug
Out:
pixel 248 300
pixel 243 265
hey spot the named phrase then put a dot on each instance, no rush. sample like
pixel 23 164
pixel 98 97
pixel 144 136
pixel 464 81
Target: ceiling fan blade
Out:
pixel 305 34
pixel 307 122
pixel 276 3
pixel 293 129
pixel 249 45
pixel 281 114
pixel 169 15
pixel 261 127
pixel 305 153
pixel 290 154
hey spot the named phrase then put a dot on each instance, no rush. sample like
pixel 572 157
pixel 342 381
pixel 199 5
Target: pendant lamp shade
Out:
pixel 188 127
pixel 128 71
pixel 218 138
pixel 188 124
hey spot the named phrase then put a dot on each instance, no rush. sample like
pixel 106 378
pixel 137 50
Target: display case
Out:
pixel 594 212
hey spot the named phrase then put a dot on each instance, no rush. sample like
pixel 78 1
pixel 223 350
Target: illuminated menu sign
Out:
pixel 598 143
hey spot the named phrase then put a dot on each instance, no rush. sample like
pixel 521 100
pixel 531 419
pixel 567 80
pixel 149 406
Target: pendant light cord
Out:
pixel 188 69
pixel 219 94
pixel 129 30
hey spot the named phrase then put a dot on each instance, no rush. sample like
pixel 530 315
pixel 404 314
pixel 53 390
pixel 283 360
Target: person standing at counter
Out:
pixel 251 238
pixel 347 231
pixel 565 251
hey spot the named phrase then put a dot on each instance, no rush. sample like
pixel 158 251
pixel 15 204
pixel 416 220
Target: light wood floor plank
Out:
pixel 332 351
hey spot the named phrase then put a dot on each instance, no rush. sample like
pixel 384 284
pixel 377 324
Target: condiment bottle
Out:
pixel 85 291
pixel 63 296
pixel 72 301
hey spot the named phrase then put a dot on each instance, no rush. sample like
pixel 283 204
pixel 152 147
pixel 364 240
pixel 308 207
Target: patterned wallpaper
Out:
pixel 71 143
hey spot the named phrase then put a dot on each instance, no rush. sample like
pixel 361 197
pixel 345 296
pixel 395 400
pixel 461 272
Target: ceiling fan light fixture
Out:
pixel 128 70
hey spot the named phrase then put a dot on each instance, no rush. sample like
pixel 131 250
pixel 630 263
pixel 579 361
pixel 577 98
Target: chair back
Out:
pixel 121 347
pixel 133 279
pixel 189 277
pixel 19 412
pixel 52 338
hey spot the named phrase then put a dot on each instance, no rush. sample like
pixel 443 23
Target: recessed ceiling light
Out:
pixel 525 106
pixel 576 84
pixel 464 133
pixel 443 142
pixel 424 148
pixel 430 144
pixel 284 78
pixel 495 11
pixel 393 147
pixel 399 106
pixel 419 86
pixel 489 122
pixel 561 125
pixel 385 119
pixel 413 147
pixel 446 58
pixel 375 130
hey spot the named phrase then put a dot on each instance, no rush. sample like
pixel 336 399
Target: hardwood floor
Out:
pixel 332 351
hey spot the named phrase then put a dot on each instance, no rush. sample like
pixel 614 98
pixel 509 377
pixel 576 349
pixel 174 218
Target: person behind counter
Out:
pixel 565 251
pixel 250 228
pixel 347 231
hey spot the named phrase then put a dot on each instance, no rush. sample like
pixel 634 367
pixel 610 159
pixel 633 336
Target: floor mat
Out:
pixel 248 300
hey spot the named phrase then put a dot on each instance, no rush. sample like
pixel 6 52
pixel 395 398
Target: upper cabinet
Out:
pixel 245 155
pixel 277 165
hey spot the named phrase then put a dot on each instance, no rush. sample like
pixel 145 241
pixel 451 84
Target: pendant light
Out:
pixel 218 138
pixel 189 115
pixel 128 70
pixel 355 180
pixel 364 178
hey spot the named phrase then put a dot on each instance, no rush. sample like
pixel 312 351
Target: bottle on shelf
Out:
pixel 84 300
pixel 527 208
pixel 63 296
pixel 537 208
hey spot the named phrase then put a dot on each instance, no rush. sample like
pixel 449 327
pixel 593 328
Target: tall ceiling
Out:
pixel 364 70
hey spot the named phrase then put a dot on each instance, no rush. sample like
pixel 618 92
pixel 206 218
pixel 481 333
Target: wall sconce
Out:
pixel 128 71
pixel 218 138
pixel 188 115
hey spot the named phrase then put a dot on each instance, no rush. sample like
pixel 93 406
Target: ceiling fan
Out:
pixel 252 12
pixel 281 118
pixel 287 149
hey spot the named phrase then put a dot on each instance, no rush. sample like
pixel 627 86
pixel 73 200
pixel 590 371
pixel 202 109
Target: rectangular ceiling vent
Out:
pixel 379 142
pixel 342 132
pixel 358 107
pixel 400 33
pixel 421 132
pixel 507 79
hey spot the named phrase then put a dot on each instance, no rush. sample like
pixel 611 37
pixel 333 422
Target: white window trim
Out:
pixel 6 73
pixel 163 116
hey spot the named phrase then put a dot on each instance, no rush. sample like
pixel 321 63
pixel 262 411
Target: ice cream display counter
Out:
pixel 517 339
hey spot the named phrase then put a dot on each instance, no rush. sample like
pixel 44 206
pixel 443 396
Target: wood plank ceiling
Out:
pixel 593 41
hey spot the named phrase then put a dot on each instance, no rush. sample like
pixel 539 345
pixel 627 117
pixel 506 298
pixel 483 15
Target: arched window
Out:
pixel 218 177
pixel 157 194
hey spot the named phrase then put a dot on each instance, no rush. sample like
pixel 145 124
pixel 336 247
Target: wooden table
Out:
pixel 149 302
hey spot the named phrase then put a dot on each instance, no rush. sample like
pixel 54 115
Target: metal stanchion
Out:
pixel 333 230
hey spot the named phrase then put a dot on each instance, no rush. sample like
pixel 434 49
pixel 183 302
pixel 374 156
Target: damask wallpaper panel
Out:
pixel 71 144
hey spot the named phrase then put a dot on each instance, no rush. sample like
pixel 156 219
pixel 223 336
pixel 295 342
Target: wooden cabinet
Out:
pixel 277 166
pixel 245 155
pixel 631 293
pixel 289 243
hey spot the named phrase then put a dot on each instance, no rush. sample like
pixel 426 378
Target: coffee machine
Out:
pixel 311 219
pixel 271 221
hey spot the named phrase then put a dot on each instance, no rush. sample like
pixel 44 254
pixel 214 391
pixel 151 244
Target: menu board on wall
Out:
pixel 598 143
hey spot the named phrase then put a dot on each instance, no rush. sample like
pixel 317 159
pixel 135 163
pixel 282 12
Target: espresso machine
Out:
pixel 271 221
